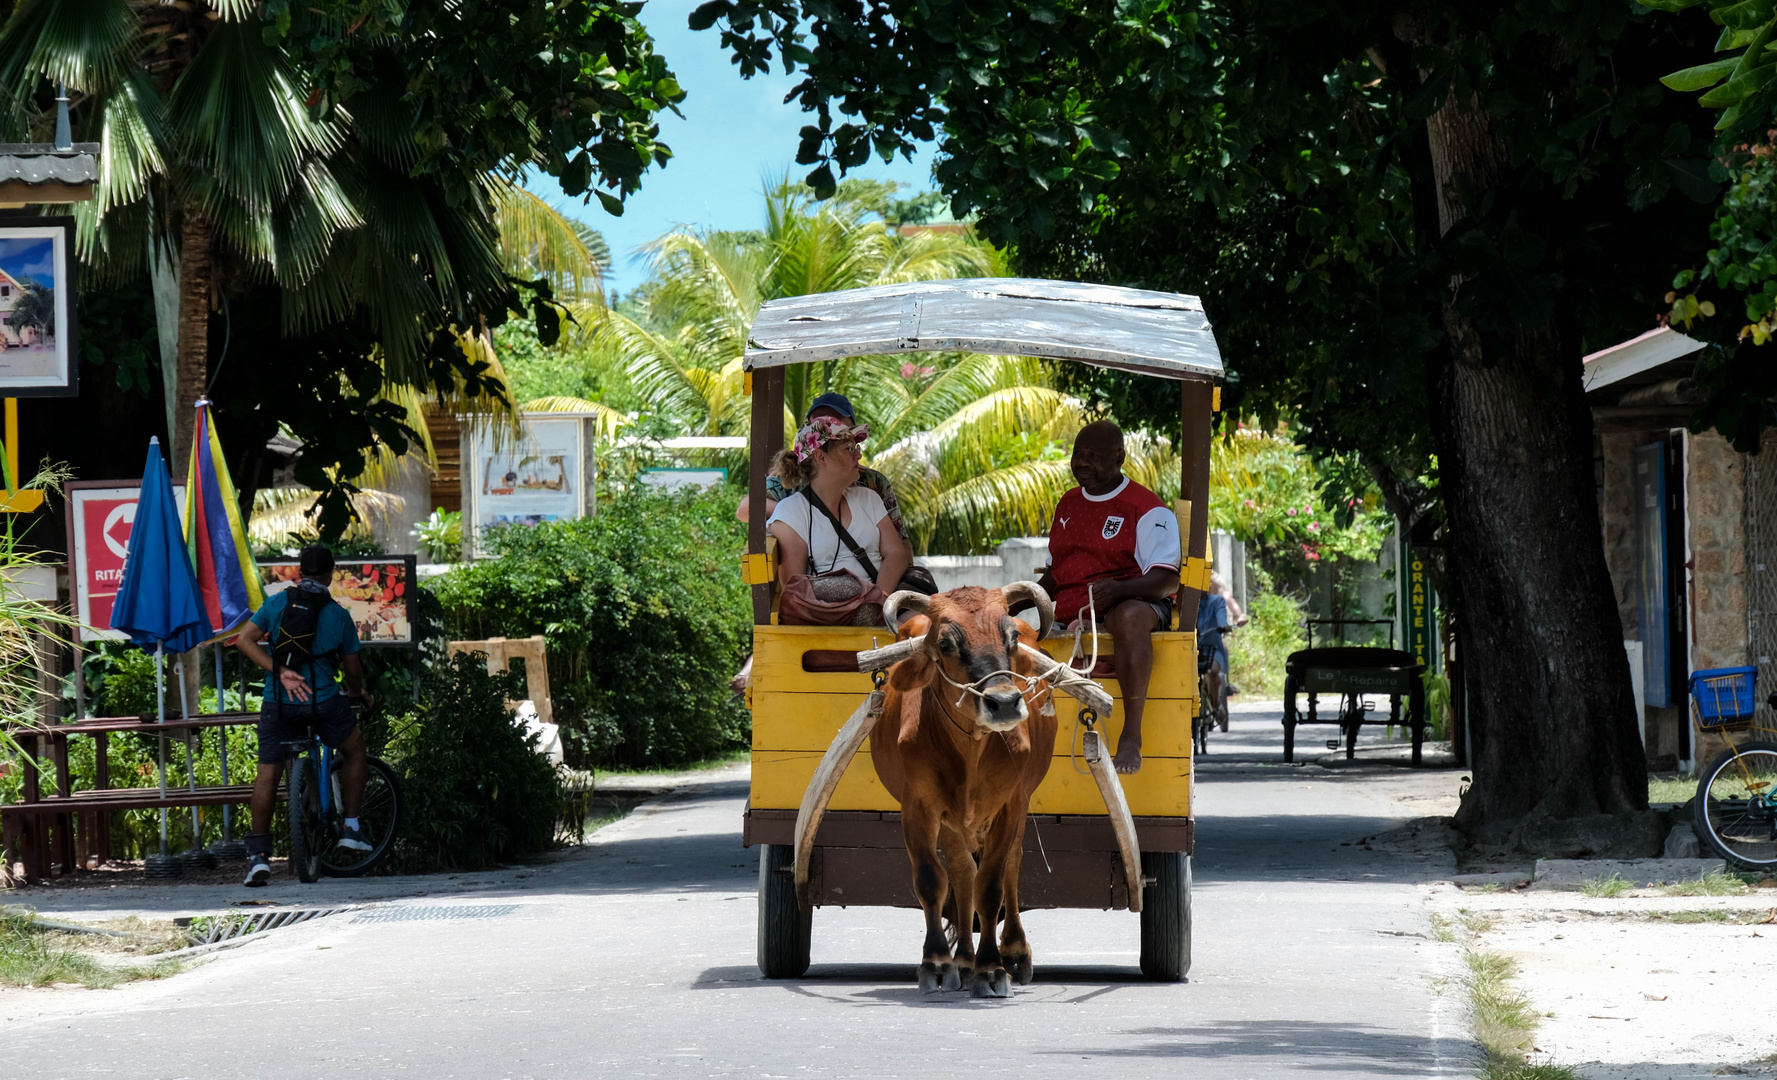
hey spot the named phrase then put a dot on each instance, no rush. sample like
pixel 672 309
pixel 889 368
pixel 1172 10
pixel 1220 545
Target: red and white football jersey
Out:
pixel 1117 536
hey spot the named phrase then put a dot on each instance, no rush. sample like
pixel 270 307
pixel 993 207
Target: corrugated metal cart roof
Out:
pixel 1153 333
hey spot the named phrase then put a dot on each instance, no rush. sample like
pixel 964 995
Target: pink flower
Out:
pixel 1250 504
pixel 910 370
pixel 1292 513
pixel 1314 526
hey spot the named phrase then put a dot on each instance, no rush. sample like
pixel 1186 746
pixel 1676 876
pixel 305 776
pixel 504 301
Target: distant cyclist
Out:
pixel 1213 624
pixel 312 638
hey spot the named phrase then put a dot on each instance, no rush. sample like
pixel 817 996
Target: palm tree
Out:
pixel 683 356
pixel 995 467
pixel 214 172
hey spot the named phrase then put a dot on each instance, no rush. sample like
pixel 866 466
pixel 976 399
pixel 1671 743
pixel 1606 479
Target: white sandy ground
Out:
pixel 1629 997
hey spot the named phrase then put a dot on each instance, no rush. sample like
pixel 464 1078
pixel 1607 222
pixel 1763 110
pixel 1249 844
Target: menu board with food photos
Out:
pixel 377 592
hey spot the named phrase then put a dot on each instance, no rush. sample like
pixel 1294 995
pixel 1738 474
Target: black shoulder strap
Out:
pixel 856 550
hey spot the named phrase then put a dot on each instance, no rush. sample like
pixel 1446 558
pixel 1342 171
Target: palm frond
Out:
pixel 607 419
pixel 537 241
pixel 242 123
pixel 83 43
pixel 973 516
pixel 284 512
pixel 132 141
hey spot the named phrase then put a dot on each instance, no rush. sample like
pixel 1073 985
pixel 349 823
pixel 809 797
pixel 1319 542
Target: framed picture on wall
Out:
pixel 542 474
pixel 376 591
pixel 37 314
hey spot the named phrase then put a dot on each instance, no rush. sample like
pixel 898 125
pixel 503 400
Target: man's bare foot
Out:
pixel 1128 759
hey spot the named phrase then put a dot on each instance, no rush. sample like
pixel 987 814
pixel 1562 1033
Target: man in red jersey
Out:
pixel 1114 542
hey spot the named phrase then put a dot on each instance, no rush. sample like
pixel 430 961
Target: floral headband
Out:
pixel 825 429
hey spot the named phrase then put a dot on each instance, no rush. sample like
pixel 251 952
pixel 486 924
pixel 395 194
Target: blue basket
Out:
pixel 1723 697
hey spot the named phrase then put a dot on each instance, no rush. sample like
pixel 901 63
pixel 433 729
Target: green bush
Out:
pixel 476 792
pixel 1257 651
pixel 646 619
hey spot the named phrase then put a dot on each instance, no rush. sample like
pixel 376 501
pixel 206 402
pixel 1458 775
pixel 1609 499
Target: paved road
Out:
pixel 633 957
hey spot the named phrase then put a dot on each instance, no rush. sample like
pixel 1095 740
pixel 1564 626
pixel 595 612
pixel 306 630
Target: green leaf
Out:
pixel 705 15
pixel 1744 16
pixel 612 204
pixel 1738 88
pixel 1691 176
pixel 1700 77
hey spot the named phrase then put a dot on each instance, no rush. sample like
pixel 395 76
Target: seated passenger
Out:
pixel 822 471
pixel 1114 552
pixel 839 407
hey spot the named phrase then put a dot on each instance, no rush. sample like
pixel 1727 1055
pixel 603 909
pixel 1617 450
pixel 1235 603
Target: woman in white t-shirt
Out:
pixel 824 461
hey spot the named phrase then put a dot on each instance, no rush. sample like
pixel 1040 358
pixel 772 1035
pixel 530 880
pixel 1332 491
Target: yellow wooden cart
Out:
pixel 806 682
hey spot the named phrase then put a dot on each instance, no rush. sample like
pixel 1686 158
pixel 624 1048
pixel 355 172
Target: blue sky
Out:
pixel 735 134
pixel 33 257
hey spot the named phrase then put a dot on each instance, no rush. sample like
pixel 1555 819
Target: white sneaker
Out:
pixel 258 871
pixel 353 840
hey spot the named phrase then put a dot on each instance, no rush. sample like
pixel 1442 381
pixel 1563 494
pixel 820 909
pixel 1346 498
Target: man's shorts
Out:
pixel 283 723
pixel 1162 610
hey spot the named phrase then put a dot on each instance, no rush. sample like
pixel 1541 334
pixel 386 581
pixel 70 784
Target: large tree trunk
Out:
pixel 196 267
pixel 1550 706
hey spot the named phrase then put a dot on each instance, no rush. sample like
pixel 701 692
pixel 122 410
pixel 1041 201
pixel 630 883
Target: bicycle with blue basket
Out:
pixel 317 812
pixel 1735 810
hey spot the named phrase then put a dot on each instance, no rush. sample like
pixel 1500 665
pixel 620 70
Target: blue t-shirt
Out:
pixel 334 633
pixel 1212 619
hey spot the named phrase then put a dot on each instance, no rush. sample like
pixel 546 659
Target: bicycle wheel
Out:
pixel 1735 810
pixel 379 817
pixel 308 832
pixel 1202 721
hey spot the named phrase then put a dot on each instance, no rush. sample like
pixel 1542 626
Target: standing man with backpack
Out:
pixel 311 639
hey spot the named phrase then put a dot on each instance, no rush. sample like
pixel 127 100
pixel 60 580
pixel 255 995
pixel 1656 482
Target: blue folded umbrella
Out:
pixel 159 602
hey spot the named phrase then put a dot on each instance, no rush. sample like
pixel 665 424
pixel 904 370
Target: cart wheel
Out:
pixel 1166 916
pixel 784 925
pixel 1289 718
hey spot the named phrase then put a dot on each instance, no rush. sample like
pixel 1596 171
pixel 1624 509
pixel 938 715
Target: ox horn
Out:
pixel 1030 590
pixel 915 603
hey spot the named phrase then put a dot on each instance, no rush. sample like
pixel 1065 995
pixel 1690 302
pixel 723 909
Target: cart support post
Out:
pixel 767 439
pixel 1197 418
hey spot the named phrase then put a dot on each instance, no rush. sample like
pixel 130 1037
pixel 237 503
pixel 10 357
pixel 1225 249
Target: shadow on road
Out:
pixel 901 977
pixel 1303 1044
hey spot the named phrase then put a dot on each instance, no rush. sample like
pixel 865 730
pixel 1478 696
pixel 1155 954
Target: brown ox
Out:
pixel 962 745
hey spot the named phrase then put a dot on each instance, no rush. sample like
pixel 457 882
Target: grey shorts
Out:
pixel 1162 610
pixel 281 724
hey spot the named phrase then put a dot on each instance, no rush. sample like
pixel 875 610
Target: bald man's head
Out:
pixel 1098 457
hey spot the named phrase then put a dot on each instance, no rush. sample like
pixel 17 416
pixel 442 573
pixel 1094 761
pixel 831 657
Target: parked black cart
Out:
pixel 1358 675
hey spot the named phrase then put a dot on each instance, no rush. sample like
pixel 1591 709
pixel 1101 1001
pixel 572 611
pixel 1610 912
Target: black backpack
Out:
pixel 294 644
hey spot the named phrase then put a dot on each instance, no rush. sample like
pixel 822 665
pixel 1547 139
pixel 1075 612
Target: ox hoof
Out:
pixel 936 977
pixel 991 984
pixel 1022 971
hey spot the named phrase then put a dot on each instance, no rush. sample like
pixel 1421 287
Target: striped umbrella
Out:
pixel 227 577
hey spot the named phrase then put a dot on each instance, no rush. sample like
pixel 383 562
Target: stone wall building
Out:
pixel 1685 519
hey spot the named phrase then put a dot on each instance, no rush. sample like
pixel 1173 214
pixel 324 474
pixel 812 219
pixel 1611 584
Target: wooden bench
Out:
pixel 45 827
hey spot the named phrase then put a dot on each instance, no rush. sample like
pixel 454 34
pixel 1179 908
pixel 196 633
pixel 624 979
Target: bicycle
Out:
pixel 317 812
pixel 1205 717
pixel 1735 810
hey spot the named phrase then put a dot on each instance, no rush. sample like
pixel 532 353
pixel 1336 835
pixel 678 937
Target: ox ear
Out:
pixel 914 673
pixel 911 706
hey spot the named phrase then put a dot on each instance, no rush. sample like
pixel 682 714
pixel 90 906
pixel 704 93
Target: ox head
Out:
pixel 970 643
